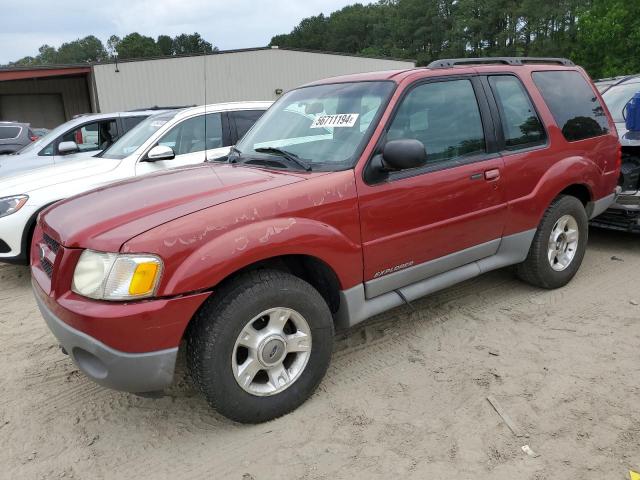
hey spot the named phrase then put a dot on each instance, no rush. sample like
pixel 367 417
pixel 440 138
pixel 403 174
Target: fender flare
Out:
pixel 569 171
pixel 213 261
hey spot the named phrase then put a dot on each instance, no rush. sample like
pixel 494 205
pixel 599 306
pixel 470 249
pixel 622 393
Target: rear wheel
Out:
pixel 260 346
pixel 558 246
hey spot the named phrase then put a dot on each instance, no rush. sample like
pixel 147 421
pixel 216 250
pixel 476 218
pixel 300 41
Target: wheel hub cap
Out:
pixel 271 351
pixel 563 243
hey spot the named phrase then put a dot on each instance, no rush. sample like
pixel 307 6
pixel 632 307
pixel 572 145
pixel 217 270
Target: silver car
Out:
pixel 624 214
pixel 15 136
pixel 83 137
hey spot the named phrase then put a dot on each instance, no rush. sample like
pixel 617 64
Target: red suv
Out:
pixel 349 197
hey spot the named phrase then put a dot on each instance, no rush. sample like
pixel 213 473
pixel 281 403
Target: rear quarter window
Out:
pixel 573 104
pixel 7 133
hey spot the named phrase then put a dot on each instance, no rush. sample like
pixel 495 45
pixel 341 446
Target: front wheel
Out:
pixel 260 346
pixel 558 246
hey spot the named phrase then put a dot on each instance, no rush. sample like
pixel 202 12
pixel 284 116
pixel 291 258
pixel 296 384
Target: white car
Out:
pixel 82 137
pixel 162 141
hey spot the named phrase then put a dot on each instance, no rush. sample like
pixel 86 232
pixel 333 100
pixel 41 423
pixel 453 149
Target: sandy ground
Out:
pixel 405 397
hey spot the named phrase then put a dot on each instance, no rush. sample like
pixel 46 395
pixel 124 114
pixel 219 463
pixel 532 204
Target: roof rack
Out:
pixel 514 61
pixel 156 107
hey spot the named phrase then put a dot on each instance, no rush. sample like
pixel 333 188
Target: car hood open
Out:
pixel 105 218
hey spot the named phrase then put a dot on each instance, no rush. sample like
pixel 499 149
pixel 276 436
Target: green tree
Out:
pixel 47 55
pixel 608 38
pixel 187 44
pixel 165 44
pixel 135 45
pixel 83 50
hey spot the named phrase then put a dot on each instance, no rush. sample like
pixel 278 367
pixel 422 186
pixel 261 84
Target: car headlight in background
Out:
pixel 9 205
pixel 114 276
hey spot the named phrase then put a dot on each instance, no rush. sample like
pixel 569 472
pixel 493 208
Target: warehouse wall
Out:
pixel 232 76
pixel 73 91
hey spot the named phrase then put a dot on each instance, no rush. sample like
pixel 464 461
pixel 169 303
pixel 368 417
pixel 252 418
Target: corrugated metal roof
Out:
pixel 169 57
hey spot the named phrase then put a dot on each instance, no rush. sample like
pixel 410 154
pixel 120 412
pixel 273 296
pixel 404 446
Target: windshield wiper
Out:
pixel 292 157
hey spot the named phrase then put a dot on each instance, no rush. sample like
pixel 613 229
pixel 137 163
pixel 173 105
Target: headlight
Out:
pixel 113 276
pixel 9 205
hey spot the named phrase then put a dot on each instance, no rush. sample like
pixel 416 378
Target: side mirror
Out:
pixel 403 154
pixel 64 148
pixel 160 152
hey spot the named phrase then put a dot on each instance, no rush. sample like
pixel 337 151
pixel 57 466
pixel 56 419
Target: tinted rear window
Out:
pixel 9 132
pixel 130 122
pixel 245 119
pixel 573 103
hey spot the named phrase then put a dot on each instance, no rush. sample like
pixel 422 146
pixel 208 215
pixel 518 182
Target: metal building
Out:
pixel 48 96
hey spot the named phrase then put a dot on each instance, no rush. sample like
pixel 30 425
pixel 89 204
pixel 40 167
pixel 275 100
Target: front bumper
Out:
pixel 14 232
pixel 129 372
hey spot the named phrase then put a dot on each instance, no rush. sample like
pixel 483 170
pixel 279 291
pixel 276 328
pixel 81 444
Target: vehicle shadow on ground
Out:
pixel 601 238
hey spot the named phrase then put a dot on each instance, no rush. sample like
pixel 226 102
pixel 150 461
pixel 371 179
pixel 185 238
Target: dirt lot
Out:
pixel 405 397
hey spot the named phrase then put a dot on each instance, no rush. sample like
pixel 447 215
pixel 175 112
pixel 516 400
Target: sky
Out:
pixel 227 24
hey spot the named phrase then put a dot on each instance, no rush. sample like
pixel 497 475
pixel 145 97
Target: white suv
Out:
pixel 82 137
pixel 162 141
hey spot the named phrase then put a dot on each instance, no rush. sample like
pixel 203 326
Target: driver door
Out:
pixel 193 141
pixel 422 222
pixel 91 138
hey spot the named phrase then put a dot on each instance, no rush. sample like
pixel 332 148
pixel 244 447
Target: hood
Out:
pixel 65 172
pixel 14 164
pixel 105 218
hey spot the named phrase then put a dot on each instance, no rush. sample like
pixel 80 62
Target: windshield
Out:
pixel 325 126
pixel 618 96
pixel 134 138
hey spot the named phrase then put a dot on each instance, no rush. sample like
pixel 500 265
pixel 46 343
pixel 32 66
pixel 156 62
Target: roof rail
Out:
pixel 156 107
pixel 514 61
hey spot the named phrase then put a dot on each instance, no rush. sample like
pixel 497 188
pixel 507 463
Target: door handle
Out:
pixel 493 174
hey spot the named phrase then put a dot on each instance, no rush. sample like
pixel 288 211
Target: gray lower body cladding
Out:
pixel 376 296
pixel 129 372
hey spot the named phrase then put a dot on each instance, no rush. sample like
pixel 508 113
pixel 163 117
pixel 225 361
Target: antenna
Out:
pixel 204 70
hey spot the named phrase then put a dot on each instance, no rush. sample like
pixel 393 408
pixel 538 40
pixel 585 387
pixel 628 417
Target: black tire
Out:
pixel 536 269
pixel 216 326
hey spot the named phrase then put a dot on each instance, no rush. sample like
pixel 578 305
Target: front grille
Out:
pixel 46 263
pixel 52 244
pixel 47 267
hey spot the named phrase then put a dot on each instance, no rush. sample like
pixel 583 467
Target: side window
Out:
pixel 130 122
pixel 214 131
pixel 47 151
pixel 573 104
pixel 92 136
pixel 520 123
pixel 189 135
pixel 444 116
pixel 245 119
pixel 9 133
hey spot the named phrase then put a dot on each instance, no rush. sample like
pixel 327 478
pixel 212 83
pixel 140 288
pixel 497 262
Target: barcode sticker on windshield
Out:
pixel 158 123
pixel 341 120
